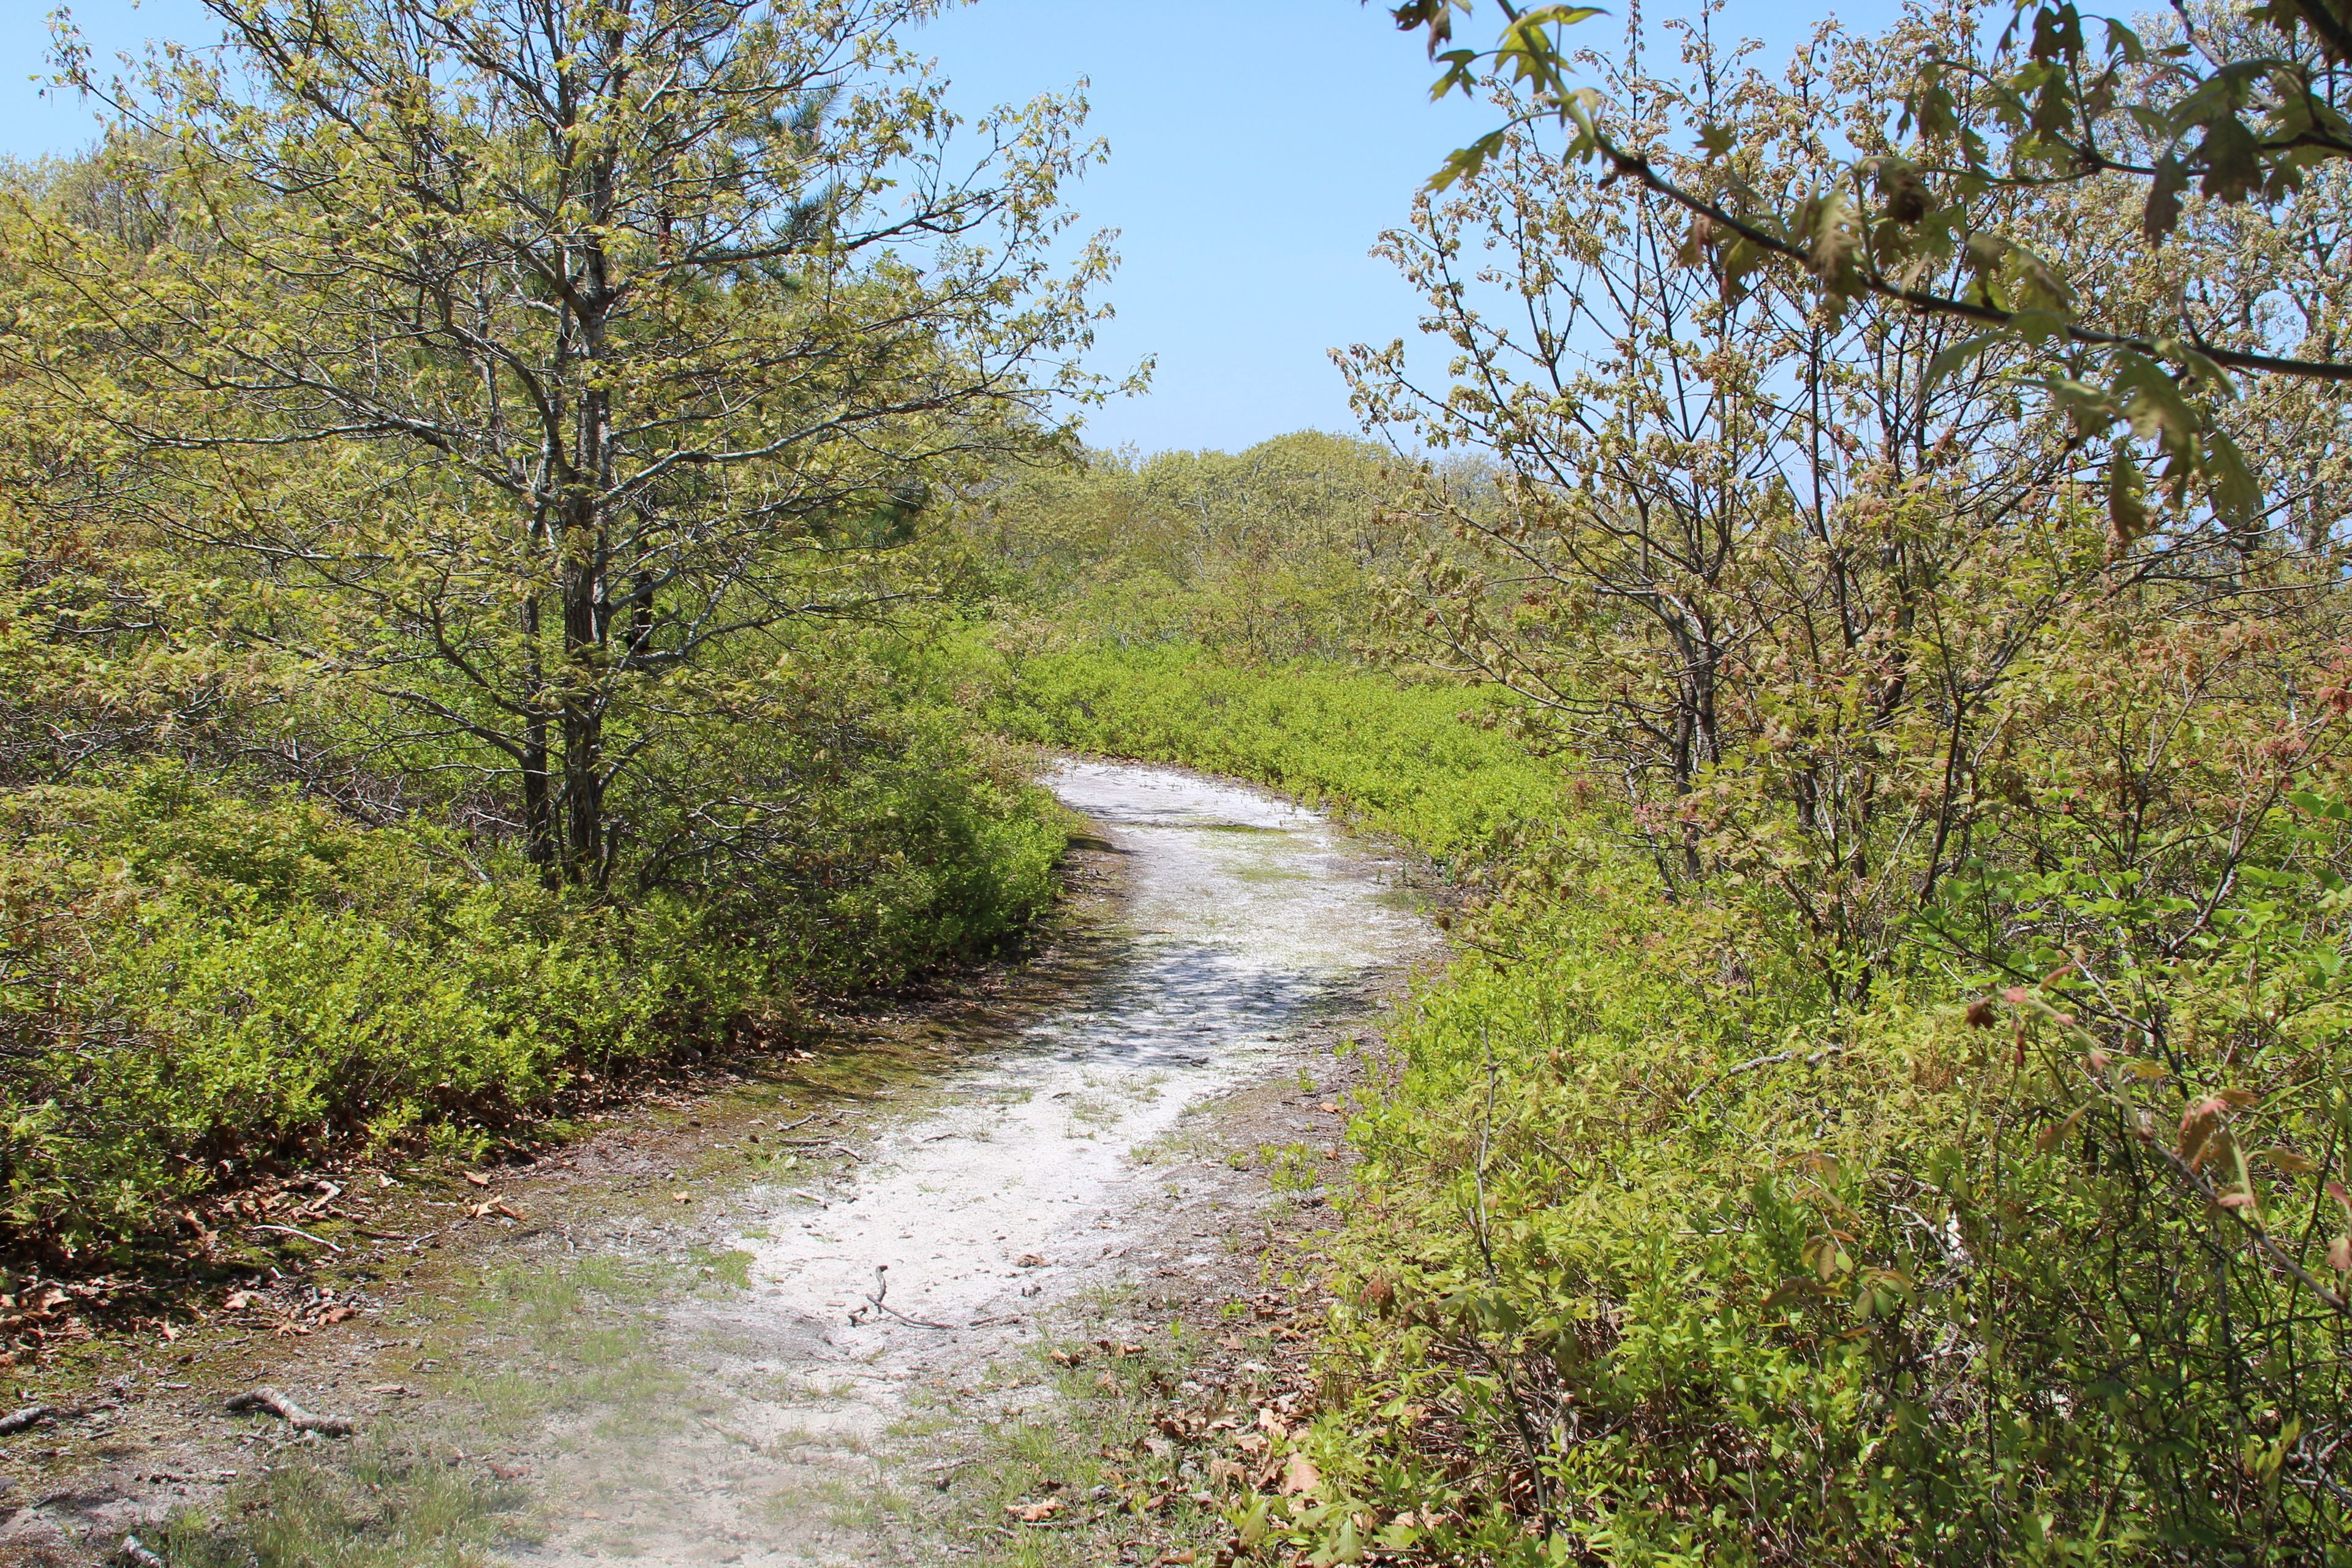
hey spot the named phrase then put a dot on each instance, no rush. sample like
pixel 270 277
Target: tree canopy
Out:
pixel 553 352
pixel 2206 108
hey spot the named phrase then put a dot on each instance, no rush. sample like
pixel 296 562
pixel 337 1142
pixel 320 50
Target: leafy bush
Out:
pixel 193 984
pixel 1261 554
pixel 1659 1255
pixel 1675 1268
pixel 1399 758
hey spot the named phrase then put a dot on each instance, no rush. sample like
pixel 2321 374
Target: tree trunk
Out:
pixel 537 808
pixel 583 728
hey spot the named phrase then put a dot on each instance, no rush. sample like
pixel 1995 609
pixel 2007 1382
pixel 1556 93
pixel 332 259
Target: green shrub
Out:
pixel 1672 1269
pixel 1658 1257
pixel 1399 758
pixel 196 985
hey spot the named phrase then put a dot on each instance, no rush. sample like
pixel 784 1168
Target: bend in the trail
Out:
pixel 1246 920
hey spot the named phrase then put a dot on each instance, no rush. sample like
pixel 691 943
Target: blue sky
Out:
pixel 1259 147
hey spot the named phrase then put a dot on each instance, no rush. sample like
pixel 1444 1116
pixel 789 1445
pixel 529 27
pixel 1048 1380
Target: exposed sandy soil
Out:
pixel 663 1345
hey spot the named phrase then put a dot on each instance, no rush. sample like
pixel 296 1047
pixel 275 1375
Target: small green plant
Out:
pixel 1289 1167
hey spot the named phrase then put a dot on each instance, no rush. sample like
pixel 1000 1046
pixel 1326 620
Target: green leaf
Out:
pixel 2126 495
pixel 1795 1291
pixel 2230 484
pixel 2057 33
pixel 2033 283
pixel 1560 15
pixel 2038 326
pixel 1955 357
pixel 2152 401
pixel 2163 209
pixel 1464 163
pixel 1833 239
pixel 2202 375
pixel 1931 107
pixel 2231 159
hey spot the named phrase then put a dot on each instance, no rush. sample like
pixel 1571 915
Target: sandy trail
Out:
pixel 1016 1187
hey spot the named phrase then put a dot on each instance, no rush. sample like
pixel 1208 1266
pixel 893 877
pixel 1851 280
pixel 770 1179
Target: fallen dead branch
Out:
pixel 17 1420
pixel 822 1144
pixel 882 1288
pixel 293 1414
pixel 289 1230
pixel 134 1551
pixel 1812 1059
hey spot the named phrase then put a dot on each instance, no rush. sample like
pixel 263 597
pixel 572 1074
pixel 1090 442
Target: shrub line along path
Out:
pixel 740 1362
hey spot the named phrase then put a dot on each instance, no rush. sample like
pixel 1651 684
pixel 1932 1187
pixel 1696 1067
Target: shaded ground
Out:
pixel 670 1344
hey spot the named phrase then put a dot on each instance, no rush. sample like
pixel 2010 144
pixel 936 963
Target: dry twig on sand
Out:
pixel 882 1288
pixel 289 1230
pixel 293 1414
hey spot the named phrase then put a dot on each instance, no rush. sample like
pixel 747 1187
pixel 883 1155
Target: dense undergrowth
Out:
pixel 1657 1256
pixel 1426 764
pixel 205 982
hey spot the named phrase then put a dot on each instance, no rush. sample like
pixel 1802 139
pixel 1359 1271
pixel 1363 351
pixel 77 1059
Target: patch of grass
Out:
pixel 727 1270
pixel 871 1509
pixel 587 1340
pixel 1090 1456
pixel 525 1343
pixel 384 1506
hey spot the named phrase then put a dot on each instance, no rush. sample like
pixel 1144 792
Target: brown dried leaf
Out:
pixel 2197 1125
